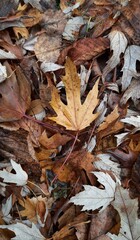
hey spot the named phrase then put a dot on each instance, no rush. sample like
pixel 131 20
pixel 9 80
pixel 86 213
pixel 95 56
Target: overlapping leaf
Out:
pixel 75 115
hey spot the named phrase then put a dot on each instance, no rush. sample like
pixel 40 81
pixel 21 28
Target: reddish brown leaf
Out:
pixel 14 95
pixel 84 49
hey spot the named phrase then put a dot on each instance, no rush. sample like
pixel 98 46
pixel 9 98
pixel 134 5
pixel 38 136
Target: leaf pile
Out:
pixel 69 119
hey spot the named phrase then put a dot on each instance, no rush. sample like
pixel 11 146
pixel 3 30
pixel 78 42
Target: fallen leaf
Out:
pixel 84 49
pixel 3 73
pixel 15 95
pixel 47 48
pixel 101 223
pixel 22 231
pixel 95 198
pixel 127 209
pixel 129 20
pixel 53 142
pixel 50 67
pixel 11 21
pixel 133 93
pixel 7 55
pixel 20 178
pixel 135 121
pixel 33 208
pixel 106 163
pixel 132 54
pixel 113 116
pixel 74 116
pixel 118 43
pixel 72 28
pixel 36 110
pixel 54 22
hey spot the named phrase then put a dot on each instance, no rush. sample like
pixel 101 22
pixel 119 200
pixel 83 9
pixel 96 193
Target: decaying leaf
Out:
pixel 95 198
pixel 113 116
pixel 3 73
pixel 72 28
pixel 34 209
pixel 118 43
pixel 22 231
pixel 132 92
pixel 105 163
pixel 20 178
pixel 131 55
pixel 54 21
pixel 53 142
pixel 135 121
pixel 15 95
pixel 47 48
pixel 74 116
pixel 127 209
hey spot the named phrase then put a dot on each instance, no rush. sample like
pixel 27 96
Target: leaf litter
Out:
pixel 69 113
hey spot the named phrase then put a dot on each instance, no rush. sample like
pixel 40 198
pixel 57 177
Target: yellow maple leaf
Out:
pixel 74 116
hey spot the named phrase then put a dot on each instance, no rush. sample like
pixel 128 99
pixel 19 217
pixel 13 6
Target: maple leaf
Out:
pixel 74 116
pixel 23 232
pixel 94 198
pixel 20 178
pixel 127 209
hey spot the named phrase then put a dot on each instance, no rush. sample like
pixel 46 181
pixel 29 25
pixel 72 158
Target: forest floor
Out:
pixel 69 119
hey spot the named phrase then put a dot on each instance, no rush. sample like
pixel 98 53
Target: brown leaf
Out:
pixel 6 43
pixel 113 116
pixel 53 142
pixel 54 22
pixel 14 145
pixel 129 21
pixel 14 95
pixel 84 49
pixel 47 48
pixel 125 156
pixel 101 223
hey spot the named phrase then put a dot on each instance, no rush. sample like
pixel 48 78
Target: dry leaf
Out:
pixel 36 110
pixel 53 142
pixel 132 92
pixel 22 231
pixel 47 48
pixel 72 28
pixel 132 54
pixel 127 209
pixel 15 95
pixel 84 49
pixel 3 73
pixel 50 67
pixel 54 22
pixel 106 163
pixel 20 178
pixel 94 198
pixel 74 116
pixel 118 43
pixel 33 208
pixel 30 209
pixel 113 116
pixel 135 121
